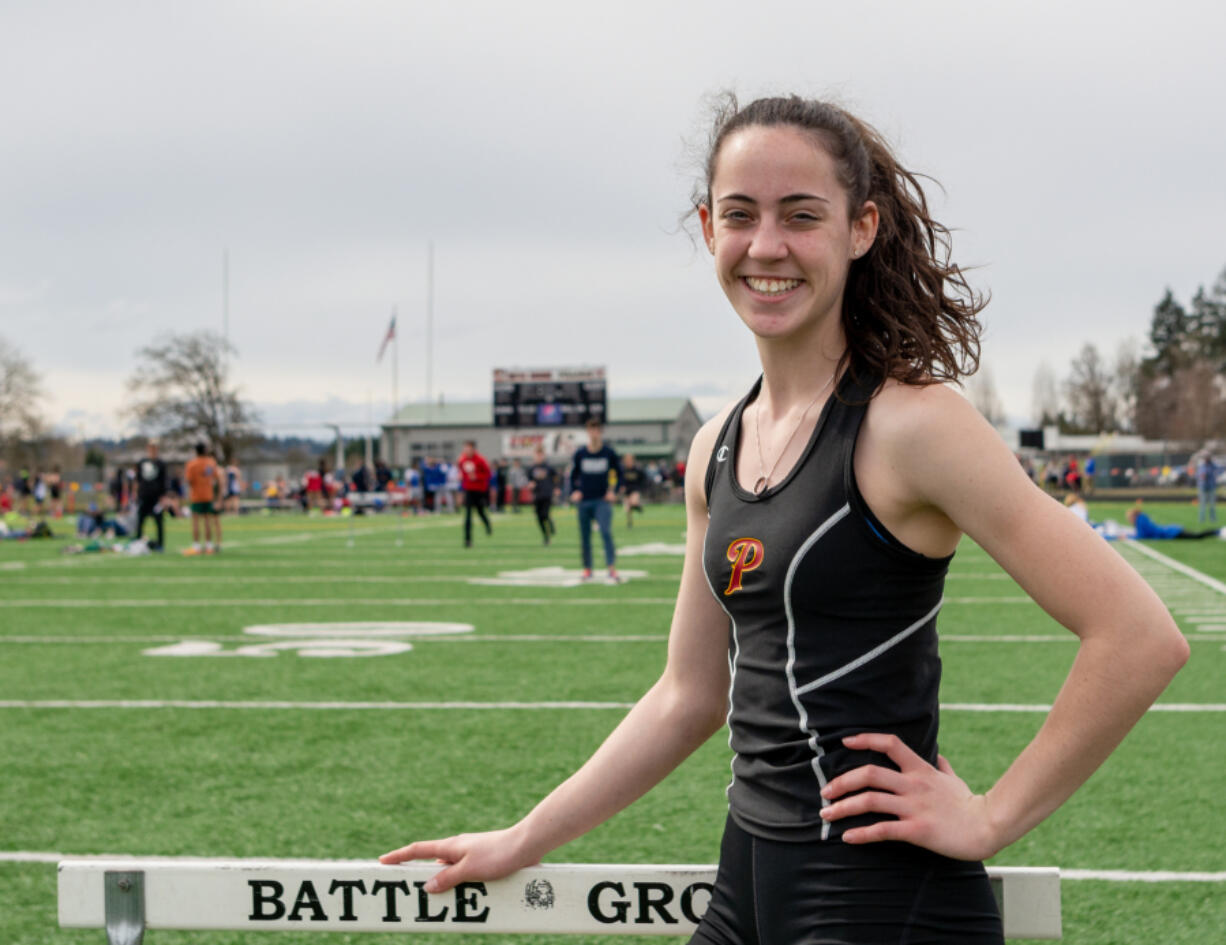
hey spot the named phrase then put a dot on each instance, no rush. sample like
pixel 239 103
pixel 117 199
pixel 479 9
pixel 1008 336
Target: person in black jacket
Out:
pixel 152 484
pixel 544 479
pixel 630 485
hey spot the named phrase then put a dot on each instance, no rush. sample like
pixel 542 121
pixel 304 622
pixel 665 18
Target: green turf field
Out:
pixel 240 777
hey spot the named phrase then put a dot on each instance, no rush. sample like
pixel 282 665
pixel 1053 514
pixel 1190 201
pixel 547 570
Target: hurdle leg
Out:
pixel 125 907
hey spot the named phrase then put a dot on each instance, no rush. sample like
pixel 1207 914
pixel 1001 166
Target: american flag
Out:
pixel 391 333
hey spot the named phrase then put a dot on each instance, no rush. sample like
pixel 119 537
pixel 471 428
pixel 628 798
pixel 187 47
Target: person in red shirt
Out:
pixel 475 483
pixel 313 483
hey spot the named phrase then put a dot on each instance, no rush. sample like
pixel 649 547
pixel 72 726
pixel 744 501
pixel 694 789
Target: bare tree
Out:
pixel 1092 405
pixel 981 391
pixel 1045 396
pixel 1126 384
pixel 181 390
pixel 20 394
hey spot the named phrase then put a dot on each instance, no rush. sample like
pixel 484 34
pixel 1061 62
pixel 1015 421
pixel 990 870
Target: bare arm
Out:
pixel 681 711
pixel 955 474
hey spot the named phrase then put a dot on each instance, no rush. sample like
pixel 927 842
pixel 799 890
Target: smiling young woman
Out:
pixel 822 513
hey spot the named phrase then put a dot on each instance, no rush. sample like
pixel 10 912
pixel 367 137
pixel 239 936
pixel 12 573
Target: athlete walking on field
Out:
pixel 594 471
pixel 544 479
pixel 475 484
pixel 823 509
pixel 630 485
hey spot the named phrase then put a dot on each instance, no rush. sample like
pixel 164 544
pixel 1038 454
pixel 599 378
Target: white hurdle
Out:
pixel 127 896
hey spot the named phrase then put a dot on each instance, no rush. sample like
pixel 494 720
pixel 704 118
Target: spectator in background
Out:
pixel 517 480
pixel 594 470
pixel 631 484
pixel 1147 528
pixel 452 483
pixel 383 476
pixel 202 484
pixel 1072 474
pixel 41 494
pixel 474 474
pixel 544 479
pixel 55 490
pixel 152 484
pixel 219 494
pixel 234 489
pixel 313 483
pixel 1051 473
pixel 1077 505
pixel 25 491
pixel 1206 488
pixel 432 479
pixel 117 491
pixel 498 484
pixel 412 482
pixel 172 501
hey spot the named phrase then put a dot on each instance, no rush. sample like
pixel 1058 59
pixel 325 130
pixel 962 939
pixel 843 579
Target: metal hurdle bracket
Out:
pixel 128 896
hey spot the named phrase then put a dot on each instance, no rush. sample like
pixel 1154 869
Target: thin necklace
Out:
pixel 763 481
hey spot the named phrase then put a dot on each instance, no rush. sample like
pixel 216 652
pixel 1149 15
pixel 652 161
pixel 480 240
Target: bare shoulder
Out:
pixel 701 448
pixel 708 433
pixel 906 415
pixel 924 455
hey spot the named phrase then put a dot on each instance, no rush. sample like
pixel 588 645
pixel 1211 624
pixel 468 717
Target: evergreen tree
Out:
pixel 1207 322
pixel 1168 334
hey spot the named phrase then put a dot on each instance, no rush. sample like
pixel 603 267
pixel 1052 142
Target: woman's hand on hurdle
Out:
pixel 468 857
pixel 934 807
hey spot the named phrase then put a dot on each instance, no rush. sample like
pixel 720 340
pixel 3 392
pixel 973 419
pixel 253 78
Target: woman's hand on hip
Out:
pixel 934 807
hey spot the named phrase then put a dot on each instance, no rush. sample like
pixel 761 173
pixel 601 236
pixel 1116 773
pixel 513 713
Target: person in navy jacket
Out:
pixel 593 475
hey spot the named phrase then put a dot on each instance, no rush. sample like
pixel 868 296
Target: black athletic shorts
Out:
pixel 768 892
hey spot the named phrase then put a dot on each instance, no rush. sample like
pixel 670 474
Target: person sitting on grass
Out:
pixel 1077 505
pixel 1147 528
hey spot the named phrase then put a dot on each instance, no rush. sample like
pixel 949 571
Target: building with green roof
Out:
pixel 649 427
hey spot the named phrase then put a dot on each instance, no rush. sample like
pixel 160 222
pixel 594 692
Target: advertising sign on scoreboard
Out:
pixel 548 397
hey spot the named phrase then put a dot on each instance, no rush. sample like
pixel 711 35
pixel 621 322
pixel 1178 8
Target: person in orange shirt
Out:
pixel 202 482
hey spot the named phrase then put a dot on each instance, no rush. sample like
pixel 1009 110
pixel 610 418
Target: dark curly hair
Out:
pixel 908 311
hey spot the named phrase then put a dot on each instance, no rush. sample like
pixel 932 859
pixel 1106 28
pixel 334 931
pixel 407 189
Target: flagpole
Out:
pixel 395 366
pixel 370 423
pixel 225 294
pixel 429 328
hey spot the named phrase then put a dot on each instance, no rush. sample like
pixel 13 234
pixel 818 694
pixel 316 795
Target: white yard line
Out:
pixel 52 640
pixel 1143 876
pixel 467 638
pixel 499 706
pixel 299 706
pixel 153 580
pixel 211 602
pixel 1200 577
pixel 1111 876
pixel 92 602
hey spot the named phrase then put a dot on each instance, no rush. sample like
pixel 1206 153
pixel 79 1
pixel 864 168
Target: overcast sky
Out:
pixel 542 147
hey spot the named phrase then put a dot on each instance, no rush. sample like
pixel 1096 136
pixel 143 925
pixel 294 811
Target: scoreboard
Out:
pixel 548 397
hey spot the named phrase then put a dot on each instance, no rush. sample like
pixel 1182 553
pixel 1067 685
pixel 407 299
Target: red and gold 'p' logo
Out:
pixel 745 555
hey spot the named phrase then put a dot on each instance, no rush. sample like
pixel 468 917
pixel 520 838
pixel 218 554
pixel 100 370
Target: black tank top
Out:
pixel 833 626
